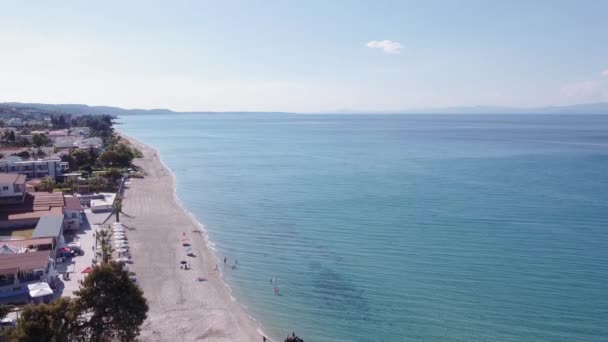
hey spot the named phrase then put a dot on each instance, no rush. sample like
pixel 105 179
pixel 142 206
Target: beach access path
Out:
pixel 181 308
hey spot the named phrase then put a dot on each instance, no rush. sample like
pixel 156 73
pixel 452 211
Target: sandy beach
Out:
pixel 181 308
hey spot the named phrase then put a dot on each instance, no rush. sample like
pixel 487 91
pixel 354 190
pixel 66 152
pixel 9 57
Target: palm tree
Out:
pixel 117 205
pixel 105 252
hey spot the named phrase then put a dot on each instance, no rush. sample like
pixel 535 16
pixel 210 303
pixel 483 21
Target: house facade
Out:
pixel 72 213
pixel 17 270
pixel 34 168
pixel 12 188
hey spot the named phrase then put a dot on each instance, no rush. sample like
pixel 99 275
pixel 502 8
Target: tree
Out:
pixel 113 174
pixel 109 158
pixel 70 160
pixel 111 306
pixel 39 140
pixel 4 310
pixel 59 122
pixel 11 136
pixel 81 158
pixel 23 154
pixel 103 238
pixel 96 183
pixel 72 184
pixel 46 184
pixel 46 322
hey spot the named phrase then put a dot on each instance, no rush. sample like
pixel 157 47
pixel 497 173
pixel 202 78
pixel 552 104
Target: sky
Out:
pixel 304 56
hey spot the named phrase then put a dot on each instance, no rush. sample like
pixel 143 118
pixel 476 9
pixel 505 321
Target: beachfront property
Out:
pixel 99 202
pixel 73 213
pixel 20 271
pixel 25 215
pixel 38 168
pixel 32 240
pixel 50 227
pixel 94 143
pixel 12 188
pixel 71 143
pixel 83 132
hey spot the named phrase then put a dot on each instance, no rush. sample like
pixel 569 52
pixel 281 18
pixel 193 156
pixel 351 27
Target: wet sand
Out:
pixel 181 308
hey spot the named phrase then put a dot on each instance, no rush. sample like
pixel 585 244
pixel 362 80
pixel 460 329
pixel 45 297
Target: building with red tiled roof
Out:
pixel 17 270
pixel 34 206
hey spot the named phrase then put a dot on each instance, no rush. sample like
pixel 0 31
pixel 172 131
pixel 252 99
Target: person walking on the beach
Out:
pixel 224 260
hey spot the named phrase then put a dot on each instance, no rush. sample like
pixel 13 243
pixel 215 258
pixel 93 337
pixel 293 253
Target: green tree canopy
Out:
pixel 23 154
pixel 39 140
pixel 46 184
pixel 47 322
pixel 111 305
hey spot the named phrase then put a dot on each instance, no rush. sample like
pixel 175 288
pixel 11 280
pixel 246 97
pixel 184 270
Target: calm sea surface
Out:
pixel 402 227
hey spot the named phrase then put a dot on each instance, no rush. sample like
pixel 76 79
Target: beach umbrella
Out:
pixel 87 270
pixel 117 224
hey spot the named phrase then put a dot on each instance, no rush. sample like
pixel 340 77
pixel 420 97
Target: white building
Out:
pixel 12 188
pixel 83 132
pixel 14 122
pixel 34 168
pixel 72 213
pixel 95 143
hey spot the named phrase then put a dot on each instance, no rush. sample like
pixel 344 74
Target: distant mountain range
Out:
pixel 79 109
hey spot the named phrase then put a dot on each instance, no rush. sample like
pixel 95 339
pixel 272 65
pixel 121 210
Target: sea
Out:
pixel 401 227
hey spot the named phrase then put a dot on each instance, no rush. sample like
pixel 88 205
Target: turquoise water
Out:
pixel 380 227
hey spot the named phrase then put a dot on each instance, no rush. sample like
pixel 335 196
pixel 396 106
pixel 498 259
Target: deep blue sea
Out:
pixel 402 227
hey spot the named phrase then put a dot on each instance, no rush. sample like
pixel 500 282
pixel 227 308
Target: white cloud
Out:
pixel 586 91
pixel 388 46
pixel 605 73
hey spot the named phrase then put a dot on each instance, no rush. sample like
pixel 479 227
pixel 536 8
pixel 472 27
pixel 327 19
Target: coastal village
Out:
pixel 76 257
pixel 61 183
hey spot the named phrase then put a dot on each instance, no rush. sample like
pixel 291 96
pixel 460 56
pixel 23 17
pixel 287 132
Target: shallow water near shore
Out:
pixel 402 227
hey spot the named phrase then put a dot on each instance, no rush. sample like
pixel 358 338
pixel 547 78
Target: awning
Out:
pixel 39 290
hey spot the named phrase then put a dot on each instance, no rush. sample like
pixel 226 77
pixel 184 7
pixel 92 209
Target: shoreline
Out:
pixel 180 307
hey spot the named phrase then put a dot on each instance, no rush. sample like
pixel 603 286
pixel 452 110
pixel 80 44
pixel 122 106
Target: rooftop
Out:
pixel 35 205
pixel 72 203
pixel 12 178
pixel 48 226
pixel 27 242
pixel 12 263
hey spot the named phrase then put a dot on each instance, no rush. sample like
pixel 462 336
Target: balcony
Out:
pixel 7 282
pixel 26 278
